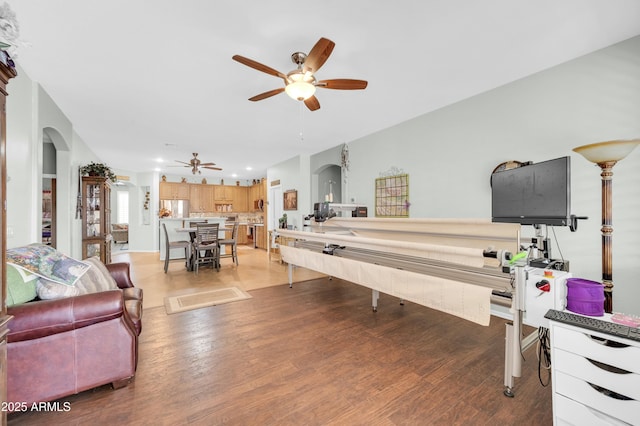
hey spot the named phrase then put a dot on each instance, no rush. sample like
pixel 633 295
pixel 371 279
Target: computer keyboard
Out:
pixel 607 327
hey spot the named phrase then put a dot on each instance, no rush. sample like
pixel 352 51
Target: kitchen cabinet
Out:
pixel 205 198
pixel 174 191
pixel 224 195
pixel 224 192
pixel 201 198
pixel 257 192
pixel 96 218
pixel 240 203
pixel 242 238
pixel 261 237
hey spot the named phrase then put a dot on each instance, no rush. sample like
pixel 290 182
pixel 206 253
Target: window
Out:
pixel 122 207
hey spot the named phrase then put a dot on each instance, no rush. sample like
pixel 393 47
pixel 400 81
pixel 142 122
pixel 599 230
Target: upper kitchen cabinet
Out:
pixel 174 191
pixel 224 192
pixel 240 200
pixel 201 198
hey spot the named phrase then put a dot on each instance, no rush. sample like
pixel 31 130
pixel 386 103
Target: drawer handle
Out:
pixel 605 418
pixel 607 367
pixel 610 393
pixel 607 342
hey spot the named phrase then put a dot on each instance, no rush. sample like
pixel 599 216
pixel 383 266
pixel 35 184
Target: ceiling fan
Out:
pixel 301 83
pixel 196 164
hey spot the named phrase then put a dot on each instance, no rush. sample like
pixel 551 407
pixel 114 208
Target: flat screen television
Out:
pixel 535 194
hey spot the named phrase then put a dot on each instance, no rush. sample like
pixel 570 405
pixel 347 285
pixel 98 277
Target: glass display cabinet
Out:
pixel 7 72
pixel 96 218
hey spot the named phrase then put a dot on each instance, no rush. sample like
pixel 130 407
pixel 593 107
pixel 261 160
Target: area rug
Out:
pixel 203 299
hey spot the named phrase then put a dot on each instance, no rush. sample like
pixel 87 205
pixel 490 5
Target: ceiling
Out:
pixel 144 80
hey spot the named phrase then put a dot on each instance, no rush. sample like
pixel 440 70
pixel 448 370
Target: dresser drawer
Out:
pixel 580 342
pixel 627 384
pixel 569 412
pixel 579 390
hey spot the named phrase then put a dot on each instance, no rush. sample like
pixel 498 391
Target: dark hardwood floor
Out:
pixel 314 355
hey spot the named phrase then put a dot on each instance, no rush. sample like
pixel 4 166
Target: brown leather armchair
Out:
pixel 65 346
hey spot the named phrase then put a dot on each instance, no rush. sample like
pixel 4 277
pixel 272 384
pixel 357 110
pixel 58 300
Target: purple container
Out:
pixel 585 297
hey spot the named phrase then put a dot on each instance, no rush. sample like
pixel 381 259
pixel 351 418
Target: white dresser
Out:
pixel 595 377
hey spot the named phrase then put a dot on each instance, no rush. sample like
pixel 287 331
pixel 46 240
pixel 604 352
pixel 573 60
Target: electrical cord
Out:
pixel 544 355
pixel 555 238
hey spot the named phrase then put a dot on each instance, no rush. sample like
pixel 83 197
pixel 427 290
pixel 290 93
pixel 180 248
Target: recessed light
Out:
pixel 249 168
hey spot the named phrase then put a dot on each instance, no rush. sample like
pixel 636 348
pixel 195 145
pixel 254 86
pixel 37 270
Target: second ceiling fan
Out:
pixel 301 83
pixel 196 164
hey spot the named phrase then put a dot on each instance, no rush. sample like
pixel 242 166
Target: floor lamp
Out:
pixel 606 155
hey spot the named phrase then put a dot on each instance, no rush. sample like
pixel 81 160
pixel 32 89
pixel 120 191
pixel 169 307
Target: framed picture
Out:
pixel 392 196
pixel 291 200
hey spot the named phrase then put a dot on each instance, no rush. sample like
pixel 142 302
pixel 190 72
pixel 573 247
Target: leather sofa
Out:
pixel 61 347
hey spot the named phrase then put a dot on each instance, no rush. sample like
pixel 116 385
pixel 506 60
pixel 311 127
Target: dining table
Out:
pixel 192 237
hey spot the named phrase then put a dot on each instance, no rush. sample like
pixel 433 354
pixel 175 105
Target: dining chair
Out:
pixel 169 245
pixel 232 243
pixel 193 223
pixel 205 246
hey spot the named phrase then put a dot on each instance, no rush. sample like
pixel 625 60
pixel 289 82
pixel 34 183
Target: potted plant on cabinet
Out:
pixel 98 169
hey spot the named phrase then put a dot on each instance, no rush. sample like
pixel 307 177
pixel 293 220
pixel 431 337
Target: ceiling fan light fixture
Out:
pixel 301 85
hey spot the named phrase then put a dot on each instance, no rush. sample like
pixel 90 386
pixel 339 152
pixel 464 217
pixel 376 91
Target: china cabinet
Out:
pixel 96 218
pixel 6 73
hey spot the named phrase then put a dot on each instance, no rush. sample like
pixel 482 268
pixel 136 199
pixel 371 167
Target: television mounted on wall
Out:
pixel 533 194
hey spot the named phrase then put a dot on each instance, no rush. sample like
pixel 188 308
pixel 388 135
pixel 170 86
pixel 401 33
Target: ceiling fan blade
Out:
pixel 342 84
pixel 182 162
pixel 318 55
pixel 258 66
pixel 312 103
pixel 211 168
pixel 207 164
pixel 266 95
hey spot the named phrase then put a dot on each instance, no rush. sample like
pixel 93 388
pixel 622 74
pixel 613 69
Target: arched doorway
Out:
pixel 49 165
pixel 56 177
pixel 328 184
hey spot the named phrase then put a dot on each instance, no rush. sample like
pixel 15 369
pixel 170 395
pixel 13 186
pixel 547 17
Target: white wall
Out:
pixel 144 236
pixel 29 111
pixel 293 174
pixel 449 155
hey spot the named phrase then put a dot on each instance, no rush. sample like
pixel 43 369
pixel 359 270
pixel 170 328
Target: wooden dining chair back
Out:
pixel 231 243
pixel 169 245
pixel 205 246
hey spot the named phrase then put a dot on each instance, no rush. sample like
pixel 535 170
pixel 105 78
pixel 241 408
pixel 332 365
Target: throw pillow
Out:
pixel 96 279
pixel 48 289
pixel 21 286
pixel 47 262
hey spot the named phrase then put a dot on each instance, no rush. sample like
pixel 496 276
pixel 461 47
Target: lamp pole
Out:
pixel 607 232
pixel 606 155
